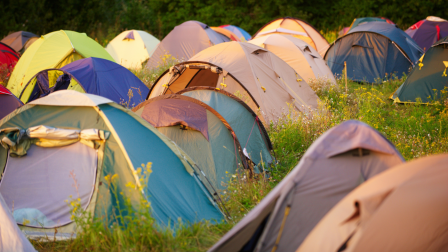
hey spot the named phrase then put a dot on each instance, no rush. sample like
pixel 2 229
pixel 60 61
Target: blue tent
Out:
pixel 238 31
pixel 90 75
pixel 373 51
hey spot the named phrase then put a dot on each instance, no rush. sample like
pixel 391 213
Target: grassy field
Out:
pixel 417 130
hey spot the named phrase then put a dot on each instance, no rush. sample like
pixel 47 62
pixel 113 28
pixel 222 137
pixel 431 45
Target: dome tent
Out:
pixel 19 40
pixel 8 102
pixel 200 131
pixel 230 35
pixel 428 31
pixel 90 75
pixel 53 50
pixel 93 138
pixel 297 28
pixel 335 164
pixel 265 81
pixel 184 41
pixel 11 238
pixel 8 57
pixel 372 52
pixel 428 80
pixel 243 120
pixel 363 20
pixel 305 60
pixel 242 34
pixel 402 209
pixel 131 48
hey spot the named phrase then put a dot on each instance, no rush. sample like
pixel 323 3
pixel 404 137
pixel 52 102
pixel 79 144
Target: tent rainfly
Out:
pixel 103 145
pixel 429 79
pixel 199 130
pixel 8 57
pixel 53 50
pixel 402 209
pixel 8 102
pixel 132 48
pixel 335 164
pixel 268 84
pixel 297 28
pixel 184 41
pixel 90 75
pixel 20 40
pixel 373 52
pixel 305 60
pixel 243 120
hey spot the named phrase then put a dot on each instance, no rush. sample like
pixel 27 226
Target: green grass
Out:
pixel 417 130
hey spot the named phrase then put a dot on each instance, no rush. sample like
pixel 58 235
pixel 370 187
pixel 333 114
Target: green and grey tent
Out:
pixel 429 79
pixel 200 131
pixel 96 149
pixel 243 120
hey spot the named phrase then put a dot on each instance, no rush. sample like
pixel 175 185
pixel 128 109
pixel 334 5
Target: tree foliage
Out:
pixel 103 19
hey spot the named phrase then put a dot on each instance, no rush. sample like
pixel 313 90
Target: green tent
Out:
pixel 429 79
pixel 243 120
pixel 94 141
pixel 200 131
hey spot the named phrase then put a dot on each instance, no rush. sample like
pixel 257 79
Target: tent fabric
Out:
pixel 8 57
pixel 53 50
pixel 305 60
pixel 402 209
pixel 242 34
pixel 11 237
pixel 297 28
pixel 243 120
pixel 264 80
pixel 17 40
pixel 323 176
pixel 232 36
pixel 360 21
pixel 428 80
pixel 184 41
pixel 132 48
pixel 428 31
pixel 207 138
pixel 92 75
pixel 8 102
pixel 373 52
pixel 174 190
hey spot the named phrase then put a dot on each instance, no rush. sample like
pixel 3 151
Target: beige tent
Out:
pixel 298 54
pixel 11 238
pixel 297 28
pixel 250 72
pixel 335 164
pixel 184 41
pixel 403 209
pixel 131 48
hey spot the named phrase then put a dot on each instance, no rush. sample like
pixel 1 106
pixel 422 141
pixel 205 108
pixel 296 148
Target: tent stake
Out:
pixel 345 68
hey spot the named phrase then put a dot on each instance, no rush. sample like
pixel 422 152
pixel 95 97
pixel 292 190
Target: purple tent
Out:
pixel 428 31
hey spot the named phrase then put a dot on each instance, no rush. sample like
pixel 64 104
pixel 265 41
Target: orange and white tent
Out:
pixel 297 28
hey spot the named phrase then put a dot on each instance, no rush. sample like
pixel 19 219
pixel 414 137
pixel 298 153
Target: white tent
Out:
pixel 11 238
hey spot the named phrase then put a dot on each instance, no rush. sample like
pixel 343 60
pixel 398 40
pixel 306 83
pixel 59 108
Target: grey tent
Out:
pixel 335 164
pixel 19 40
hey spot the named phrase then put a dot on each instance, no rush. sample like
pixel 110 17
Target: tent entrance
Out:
pixel 36 187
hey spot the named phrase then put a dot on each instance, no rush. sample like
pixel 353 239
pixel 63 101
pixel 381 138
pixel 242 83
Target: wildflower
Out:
pixel 115 176
pixel 107 178
pixel 25 222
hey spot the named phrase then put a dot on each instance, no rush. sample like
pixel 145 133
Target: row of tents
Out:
pixel 202 119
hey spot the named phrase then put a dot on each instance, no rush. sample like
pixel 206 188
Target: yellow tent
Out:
pixel 131 48
pixel 53 50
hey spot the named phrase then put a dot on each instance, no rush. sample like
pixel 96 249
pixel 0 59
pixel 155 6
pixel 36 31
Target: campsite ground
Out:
pixel 416 130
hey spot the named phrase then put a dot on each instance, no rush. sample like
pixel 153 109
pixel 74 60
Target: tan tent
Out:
pixel 184 41
pixel 335 164
pixel 11 238
pixel 298 54
pixel 250 72
pixel 403 209
pixel 297 28
pixel 131 48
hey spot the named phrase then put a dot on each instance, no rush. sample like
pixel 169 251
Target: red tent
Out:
pixel 8 56
pixel 8 102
